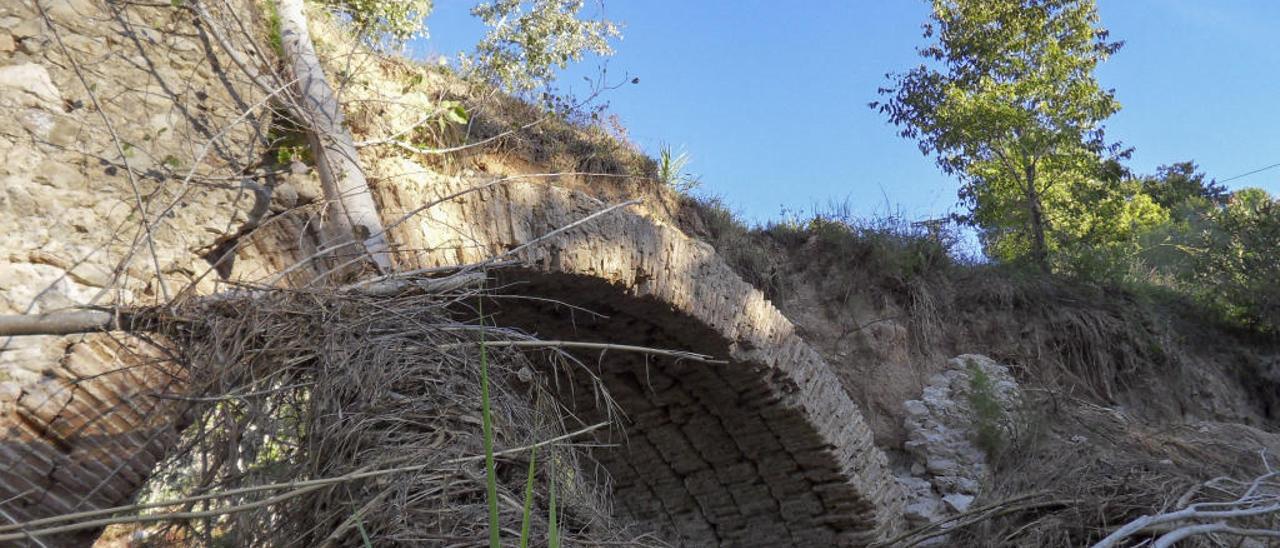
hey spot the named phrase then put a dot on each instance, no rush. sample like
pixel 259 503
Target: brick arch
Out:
pixel 767 449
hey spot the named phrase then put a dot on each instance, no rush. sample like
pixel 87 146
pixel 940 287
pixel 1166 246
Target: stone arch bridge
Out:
pixel 767 449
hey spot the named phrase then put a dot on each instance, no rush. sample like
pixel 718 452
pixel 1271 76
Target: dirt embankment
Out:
pixel 1127 397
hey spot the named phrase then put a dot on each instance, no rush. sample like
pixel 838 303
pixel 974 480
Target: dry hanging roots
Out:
pixel 357 415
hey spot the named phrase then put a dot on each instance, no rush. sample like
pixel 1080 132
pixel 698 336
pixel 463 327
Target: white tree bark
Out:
pixel 1260 500
pixel 352 213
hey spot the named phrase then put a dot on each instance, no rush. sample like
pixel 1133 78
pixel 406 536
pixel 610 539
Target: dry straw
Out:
pixel 337 418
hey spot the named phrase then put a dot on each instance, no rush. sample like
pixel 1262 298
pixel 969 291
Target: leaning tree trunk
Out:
pixel 352 214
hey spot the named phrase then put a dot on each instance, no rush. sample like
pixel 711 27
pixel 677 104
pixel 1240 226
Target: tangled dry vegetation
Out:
pixel 326 418
pixel 1079 472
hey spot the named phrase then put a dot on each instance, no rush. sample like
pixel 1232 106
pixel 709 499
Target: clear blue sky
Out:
pixel 770 97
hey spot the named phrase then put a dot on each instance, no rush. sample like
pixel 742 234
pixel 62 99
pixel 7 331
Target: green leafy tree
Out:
pixel 1007 101
pixel 1192 204
pixel 1236 263
pixel 1102 227
pixel 386 22
pixel 1216 246
pixel 1182 187
pixel 528 40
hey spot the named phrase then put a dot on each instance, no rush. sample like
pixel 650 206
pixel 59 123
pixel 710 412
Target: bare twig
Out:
pixel 397 135
pixel 277 277
pixel 245 66
pixel 679 354
pixel 296 489
pixel 94 524
pixel 27 535
pixel 447 150
pixel 938 528
pixel 119 146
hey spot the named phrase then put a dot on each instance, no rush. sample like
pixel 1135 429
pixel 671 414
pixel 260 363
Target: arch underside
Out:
pixel 712 454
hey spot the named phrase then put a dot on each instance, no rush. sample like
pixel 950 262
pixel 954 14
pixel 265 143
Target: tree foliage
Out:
pixel 1007 101
pixel 386 21
pixel 1181 231
pixel 528 40
pixel 1181 187
pixel 1101 226
pixel 1235 262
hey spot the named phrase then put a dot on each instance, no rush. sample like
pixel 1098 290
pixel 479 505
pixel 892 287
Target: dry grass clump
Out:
pixel 363 413
pixel 555 133
pixel 1085 470
pixel 889 252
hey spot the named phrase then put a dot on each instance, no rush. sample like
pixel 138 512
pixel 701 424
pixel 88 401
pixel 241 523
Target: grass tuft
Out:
pixel 527 514
pixel 553 521
pixel 486 418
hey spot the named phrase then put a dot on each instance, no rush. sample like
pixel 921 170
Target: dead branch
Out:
pixel 1257 499
pixel 65 323
pixel 123 319
pixel 936 529
pixel 353 214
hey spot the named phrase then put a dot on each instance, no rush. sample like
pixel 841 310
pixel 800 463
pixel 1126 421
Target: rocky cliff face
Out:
pixel 106 113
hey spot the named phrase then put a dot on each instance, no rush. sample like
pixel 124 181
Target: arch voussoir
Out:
pixel 767 449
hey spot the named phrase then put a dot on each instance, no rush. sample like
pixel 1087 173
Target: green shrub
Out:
pixel 990 421
pixel 1236 262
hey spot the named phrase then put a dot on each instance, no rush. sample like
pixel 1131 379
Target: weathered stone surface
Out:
pixel 948 467
pixel 9 391
pixel 77 428
pixel 29 85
